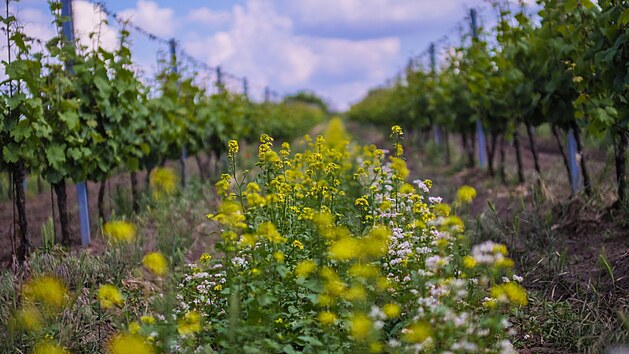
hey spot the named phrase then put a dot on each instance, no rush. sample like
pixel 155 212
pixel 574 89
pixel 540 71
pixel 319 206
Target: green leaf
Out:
pixel 10 153
pixel 623 20
pixel 22 131
pixel 70 118
pixel 55 155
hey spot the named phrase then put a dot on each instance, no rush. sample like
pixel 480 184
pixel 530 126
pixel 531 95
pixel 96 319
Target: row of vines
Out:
pixel 565 66
pixel 98 118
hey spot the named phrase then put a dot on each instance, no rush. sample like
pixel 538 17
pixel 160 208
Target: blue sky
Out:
pixel 338 48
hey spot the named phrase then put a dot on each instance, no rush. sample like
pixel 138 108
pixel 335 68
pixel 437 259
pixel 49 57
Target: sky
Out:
pixel 336 48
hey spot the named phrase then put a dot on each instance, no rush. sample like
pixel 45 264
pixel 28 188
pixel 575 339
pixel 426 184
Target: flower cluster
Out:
pixel 334 236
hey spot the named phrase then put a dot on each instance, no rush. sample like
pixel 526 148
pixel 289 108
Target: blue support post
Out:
pixel 480 131
pixel 482 153
pixel 84 215
pixel 575 176
pixel 81 187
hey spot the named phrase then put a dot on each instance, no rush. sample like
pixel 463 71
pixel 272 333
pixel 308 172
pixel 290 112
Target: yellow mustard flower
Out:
pixel 305 268
pixel 361 326
pixel 232 148
pixel 47 346
pixel 511 292
pixel 469 262
pixel 418 332
pixel 30 318
pixel 47 290
pixel 127 343
pixel 269 231
pixel 189 324
pixel 148 319
pixel 298 244
pixel 326 318
pixel 134 327
pixel 279 256
pixel 465 195
pixel 391 310
pixel 399 166
pixel 156 263
pixel 205 258
pixel 119 231
pixel 346 248
pixel 163 182
pixel 109 296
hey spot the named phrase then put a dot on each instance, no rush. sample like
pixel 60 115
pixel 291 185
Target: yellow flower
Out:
pixel 305 268
pixel 268 231
pixel 511 292
pixel 109 296
pixel 355 293
pixel 396 129
pixel 500 248
pixel 232 148
pixel 279 256
pixel 326 318
pixel 465 194
pixel 205 258
pixel 266 139
pixel 418 332
pixel 360 326
pixel 324 300
pixel 189 324
pixel 120 231
pixel 375 347
pixel 134 327
pixel 392 310
pixel 129 344
pixel 47 290
pixel 469 262
pixel 279 321
pixel 399 166
pixel 345 249
pixel 47 346
pixel 163 182
pixel 218 287
pixel 442 209
pixel 298 244
pixel 504 263
pixel 156 263
pixel 148 319
pixel 407 189
pixel 30 318
pixel 363 271
pixel 362 203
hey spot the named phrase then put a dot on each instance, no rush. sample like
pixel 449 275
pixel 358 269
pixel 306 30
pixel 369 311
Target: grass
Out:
pixel 168 225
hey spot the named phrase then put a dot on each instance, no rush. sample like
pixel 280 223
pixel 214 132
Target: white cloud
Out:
pixel 262 44
pixel 88 19
pixel 206 16
pixel 148 15
pixel 36 23
pixel 370 13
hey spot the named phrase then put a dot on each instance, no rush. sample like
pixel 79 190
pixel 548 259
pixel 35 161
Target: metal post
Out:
pixel 219 79
pixel 480 132
pixel 575 177
pixel 245 87
pixel 81 187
